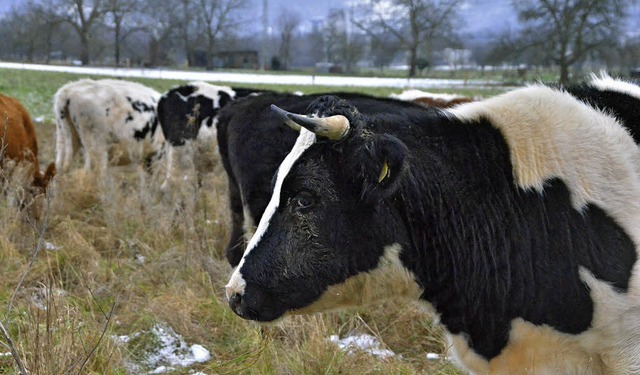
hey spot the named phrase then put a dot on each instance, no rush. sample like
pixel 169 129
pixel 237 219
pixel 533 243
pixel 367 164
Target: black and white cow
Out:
pixel 108 119
pixel 187 116
pixel 253 142
pixel 514 219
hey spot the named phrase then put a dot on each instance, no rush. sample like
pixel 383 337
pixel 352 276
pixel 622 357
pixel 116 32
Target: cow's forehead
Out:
pixel 305 140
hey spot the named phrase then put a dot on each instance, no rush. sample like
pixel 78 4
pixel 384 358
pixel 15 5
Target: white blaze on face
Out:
pixel 305 140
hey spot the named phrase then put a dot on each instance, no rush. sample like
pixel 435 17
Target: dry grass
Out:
pixel 123 257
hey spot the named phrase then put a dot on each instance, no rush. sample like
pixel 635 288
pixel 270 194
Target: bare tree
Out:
pixel 48 20
pixel 217 17
pixel 185 25
pixel 568 30
pixel 163 26
pixel 121 11
pixel 413 23
pixel 383 50
pixel 288 21
pixel 19 32
pixel 82 15
pixel 341 44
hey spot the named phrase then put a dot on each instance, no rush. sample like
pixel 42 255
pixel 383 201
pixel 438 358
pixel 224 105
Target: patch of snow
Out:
pixel 170 352
pixel 51 247
pixel 433 356
pixel 125 339
pixel 140 258
pixel 366 343
pixel 200 354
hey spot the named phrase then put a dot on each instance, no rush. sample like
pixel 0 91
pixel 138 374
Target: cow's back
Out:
pixel 111 103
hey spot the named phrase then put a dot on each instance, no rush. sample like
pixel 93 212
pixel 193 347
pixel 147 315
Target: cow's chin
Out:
pixel 262 316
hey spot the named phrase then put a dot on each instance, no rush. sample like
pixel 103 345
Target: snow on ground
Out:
pixel 284 79
pixel 434 356
pixel 51 247
pixel 163 350
pixel 366 343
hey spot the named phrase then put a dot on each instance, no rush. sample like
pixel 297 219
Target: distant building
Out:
pixel 248 59
pixel 244 59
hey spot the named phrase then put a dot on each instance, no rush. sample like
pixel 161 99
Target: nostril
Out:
pixel 235 300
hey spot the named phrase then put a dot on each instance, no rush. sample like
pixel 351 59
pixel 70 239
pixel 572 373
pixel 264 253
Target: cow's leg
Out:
pixel 169 168
pixel 61 144
pixel 68 141
pixel 96 154
pixel 235 247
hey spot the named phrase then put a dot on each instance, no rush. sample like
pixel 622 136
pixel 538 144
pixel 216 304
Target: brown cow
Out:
pixel 19 142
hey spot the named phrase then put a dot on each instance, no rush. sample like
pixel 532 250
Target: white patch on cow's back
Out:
pixel 389 280
pixel 605 83
pixel 303 142
pixel 550 135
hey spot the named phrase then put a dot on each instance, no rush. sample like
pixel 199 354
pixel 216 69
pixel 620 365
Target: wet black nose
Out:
pixel 235 300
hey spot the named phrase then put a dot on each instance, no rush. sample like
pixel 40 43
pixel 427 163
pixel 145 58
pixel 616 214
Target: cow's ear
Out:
pixel 382 165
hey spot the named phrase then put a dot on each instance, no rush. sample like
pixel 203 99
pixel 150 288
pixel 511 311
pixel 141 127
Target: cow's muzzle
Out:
pixel 255 304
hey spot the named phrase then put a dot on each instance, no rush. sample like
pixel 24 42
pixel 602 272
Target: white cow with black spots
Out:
pixel 107 119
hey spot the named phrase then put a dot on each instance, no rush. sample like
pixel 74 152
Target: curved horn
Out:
pixel 333 127
pixel 284 117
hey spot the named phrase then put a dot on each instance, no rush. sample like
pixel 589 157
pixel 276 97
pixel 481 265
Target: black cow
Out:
pixel 188 113
pixel 515 219
pixel 253 142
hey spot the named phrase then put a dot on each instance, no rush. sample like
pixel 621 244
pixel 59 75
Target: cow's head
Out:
pixel 41 180
pixel 329 237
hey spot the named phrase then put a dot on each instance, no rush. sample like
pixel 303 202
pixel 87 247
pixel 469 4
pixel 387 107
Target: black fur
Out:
pixel 484 250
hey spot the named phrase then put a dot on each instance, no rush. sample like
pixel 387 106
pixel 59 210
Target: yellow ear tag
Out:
pixel 384 173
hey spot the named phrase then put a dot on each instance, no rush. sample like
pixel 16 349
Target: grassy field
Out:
pixel 86 289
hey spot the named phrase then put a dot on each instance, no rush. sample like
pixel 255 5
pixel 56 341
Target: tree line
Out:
pixel 561 33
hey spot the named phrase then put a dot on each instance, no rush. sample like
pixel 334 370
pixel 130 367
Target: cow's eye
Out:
pixel 304 199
